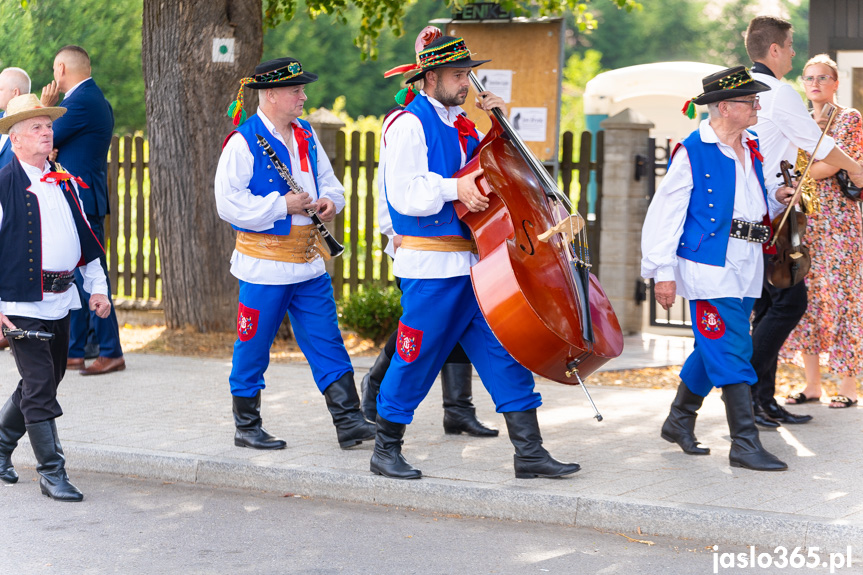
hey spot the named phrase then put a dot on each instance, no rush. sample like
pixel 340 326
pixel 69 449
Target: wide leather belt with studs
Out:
pixel 750 231
pixel 57 282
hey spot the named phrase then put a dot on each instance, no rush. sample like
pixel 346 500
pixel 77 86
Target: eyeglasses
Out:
pixel 823 79
pixel 752 103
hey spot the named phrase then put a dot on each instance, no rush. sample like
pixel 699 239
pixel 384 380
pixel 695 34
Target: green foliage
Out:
pixel 33 31
pixel 372 312
pixel 578 71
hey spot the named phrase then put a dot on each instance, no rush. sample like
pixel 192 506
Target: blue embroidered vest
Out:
pixel 21 235
pixel 711 206
pixel 444 158
pixel 265 178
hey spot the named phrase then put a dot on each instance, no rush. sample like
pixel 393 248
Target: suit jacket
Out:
pixel 83 136
pixel 6 153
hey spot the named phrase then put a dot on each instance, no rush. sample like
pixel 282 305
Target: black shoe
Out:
pixel 779 413
pixel 746 449
pixel 12 429
pixel 344 405
pixel 679 426
pixel 531 459
pixel 250 431
pixel 371 385
pixel 51 464
pixel 459 413
pixel 387 459
pixel 762 419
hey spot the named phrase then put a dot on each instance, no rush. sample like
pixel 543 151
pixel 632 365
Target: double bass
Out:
pixel 533 280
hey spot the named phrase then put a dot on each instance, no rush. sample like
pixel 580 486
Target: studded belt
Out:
pixel 57 282
pixel 750 231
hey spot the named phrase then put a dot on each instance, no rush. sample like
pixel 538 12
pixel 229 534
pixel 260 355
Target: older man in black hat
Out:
pixel 279 253
pixel 44 235
pixel 703 238
pixel 421 148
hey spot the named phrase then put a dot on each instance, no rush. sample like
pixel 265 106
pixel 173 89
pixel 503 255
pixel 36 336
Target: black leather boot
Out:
pixel 344 405
pixel 531 459
pixel 459 412
pixel 250 431
pixel 371 385
pixel 387 458
pixel 51 464
pixel 746 449
pixel 11 430
pixel 679 426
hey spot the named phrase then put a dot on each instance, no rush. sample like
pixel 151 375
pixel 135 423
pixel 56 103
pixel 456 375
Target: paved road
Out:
pixel 132 526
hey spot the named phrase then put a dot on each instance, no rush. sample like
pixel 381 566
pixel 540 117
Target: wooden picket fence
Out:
pixel 133 258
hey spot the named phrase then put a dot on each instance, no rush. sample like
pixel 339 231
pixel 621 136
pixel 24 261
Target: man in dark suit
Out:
pixel 82 137
pixel 13 82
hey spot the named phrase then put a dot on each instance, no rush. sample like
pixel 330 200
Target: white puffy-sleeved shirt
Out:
pixel 743 273
pixel 61 251
pixel 237 205
pixel 405 180
pixel 784 125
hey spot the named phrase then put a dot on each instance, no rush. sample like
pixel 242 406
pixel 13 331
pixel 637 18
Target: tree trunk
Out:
pixel 187 97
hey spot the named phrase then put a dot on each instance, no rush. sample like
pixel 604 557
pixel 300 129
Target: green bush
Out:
pixel 373 312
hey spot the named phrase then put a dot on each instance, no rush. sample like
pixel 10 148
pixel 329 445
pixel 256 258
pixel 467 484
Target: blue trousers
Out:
pixel 723 346
pixel 312 311
pixel 107 331
pixel 437 314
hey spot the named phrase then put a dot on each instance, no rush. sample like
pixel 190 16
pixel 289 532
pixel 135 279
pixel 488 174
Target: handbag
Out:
pixel 849 190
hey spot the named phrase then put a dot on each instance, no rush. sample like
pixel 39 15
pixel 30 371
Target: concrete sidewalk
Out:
pixel 170 418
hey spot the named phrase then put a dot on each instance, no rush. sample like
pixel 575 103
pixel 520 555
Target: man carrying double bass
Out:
pixel 421 148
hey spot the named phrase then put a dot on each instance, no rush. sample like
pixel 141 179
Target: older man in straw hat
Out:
pixel 703 238
pixel 43 237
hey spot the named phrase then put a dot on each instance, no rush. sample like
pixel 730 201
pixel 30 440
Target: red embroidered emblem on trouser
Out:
pixel 247 322
pixel 409 342
pixel 710 323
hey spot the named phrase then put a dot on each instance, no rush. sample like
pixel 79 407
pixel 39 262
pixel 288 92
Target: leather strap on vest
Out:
pixel 438 244
pixel 302 245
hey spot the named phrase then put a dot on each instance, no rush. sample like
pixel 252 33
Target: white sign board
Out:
pixel 498 82
pixel 223 50
pixel 530 123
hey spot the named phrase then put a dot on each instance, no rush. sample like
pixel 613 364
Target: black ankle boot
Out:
pixel 679 426
pixel 531 459
pixel 746 449
pixel 459 413
pixel 51 464
pixel 371 385
pixel 344 405
pixel 250 431
pixel 12 429
pixel 387 459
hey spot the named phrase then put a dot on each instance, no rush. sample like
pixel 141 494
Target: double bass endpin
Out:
pixel 574 372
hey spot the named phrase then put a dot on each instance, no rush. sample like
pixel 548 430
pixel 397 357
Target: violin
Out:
pixel 533 280
pixel 791 262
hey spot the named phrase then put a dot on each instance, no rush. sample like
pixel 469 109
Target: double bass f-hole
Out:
pixel 524 225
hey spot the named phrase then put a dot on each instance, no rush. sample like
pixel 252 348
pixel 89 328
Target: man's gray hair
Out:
pixel 19 79
pixel 713 109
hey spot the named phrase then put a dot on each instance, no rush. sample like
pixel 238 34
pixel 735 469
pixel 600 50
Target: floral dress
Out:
pixel 833 323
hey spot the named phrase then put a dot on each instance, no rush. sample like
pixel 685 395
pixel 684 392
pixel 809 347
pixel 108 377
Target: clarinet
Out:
pixel 333 247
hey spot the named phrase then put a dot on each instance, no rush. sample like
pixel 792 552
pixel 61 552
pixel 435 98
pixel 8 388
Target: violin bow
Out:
pixel 798 188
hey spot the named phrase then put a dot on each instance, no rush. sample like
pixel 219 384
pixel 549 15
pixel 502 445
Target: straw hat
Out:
pixel 24 107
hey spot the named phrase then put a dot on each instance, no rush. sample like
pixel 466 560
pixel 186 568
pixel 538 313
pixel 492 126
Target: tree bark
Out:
pixel 187 96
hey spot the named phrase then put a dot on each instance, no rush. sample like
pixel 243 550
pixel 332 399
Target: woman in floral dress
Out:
pixel 832 329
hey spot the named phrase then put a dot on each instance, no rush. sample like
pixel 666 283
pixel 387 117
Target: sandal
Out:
pixel 846 402
pixel 799 398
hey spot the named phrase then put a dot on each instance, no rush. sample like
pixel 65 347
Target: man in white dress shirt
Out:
pixel 421 148
pixel 703 239
pixel 44 235
pixel 278 256
pixel 784 125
